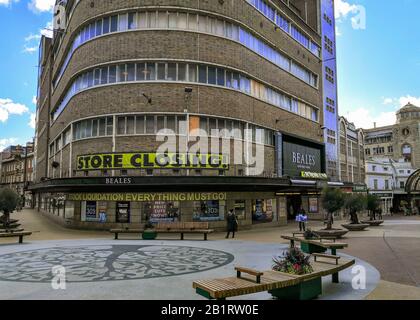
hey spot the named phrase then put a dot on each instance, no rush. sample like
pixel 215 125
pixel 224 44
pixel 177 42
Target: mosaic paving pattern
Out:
pixel 109 262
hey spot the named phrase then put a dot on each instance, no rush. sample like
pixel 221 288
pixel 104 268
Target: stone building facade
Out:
pixel 194 107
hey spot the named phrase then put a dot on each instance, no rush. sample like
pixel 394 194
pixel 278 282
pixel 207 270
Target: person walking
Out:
pixel 232 224
pixel 302 218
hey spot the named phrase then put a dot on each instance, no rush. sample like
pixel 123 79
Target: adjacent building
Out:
pixel 182 110
pixel 352 154
pixel 16 170
pixel 380 181
pixel 397 146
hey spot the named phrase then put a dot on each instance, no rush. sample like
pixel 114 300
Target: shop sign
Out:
pixel 112 161
pixel 314 175
pixel 146 197
pixel 299 158
pixel 359 189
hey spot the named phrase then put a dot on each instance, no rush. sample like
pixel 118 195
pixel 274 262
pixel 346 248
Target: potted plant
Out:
pixel 149 232
pixel 295 262
pixel 9 200
pixel 373 204
pixel 332 201
pixel 355 203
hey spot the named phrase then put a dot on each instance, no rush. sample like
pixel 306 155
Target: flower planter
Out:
pixel 356 227
pixel 310 248
pixel 149 235
pixel 373 223
pixel 306 290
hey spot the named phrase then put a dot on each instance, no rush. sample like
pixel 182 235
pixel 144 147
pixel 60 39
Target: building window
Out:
pixel 163 71
pixel 209 210
pixel 402 184
pixel 375 184
pixel 163 20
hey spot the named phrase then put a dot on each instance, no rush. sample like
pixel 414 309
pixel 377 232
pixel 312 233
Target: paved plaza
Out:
pixel 98 267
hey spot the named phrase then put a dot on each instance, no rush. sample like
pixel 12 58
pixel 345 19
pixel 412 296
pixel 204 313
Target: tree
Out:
pixel 9 200
pixel 373 204
pixel 332 201
pixel 355 203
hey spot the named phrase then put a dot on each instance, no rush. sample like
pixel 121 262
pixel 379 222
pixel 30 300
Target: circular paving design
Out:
pixel 109 262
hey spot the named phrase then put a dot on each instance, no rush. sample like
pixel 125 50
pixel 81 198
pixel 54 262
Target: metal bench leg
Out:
pixel 182 236
pixel 335 278
pixel 20 239
pixel 205 237
pixel 116 236
pixel 292 243
pixel 333 251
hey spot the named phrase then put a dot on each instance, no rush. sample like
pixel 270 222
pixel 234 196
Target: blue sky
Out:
pixel 378 61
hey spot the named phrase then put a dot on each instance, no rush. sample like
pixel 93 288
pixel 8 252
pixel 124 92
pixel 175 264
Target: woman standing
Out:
pixel 232 223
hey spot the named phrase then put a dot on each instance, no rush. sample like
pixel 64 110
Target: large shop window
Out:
pixel 209 210
pixel 93 211
pixel 240 209
pixel 161 211
pixel 123 212
pixel 263 210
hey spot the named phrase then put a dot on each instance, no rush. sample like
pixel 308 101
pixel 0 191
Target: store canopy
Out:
pixel 413 183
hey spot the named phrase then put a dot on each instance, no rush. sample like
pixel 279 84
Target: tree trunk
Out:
pixel 354 218
pixel 330 220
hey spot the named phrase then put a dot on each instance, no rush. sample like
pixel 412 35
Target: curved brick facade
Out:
pixel 77 130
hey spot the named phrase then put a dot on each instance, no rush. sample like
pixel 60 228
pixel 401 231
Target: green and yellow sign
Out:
pixel 314 175
pixel 148 197
pixel 144 160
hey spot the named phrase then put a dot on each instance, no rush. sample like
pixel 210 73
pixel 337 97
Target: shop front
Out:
pixel 304 163
pixel 128 207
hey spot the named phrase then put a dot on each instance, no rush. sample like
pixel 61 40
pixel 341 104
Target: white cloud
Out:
pixel 409 99
pixel 387 101
pixel 4 143
pixel 30 46
pixel 7 2
pixel 343 8
pixel 32 121
pixel 41 5
pixel 30 49
pixel 34 100
pixel 362 118
pixel 8 107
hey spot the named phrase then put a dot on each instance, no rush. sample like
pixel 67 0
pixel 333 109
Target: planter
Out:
pixel 333 233
pixel 373 223
pixel 356 227
pixel 306 290
pixel 149 235
pixel 310 248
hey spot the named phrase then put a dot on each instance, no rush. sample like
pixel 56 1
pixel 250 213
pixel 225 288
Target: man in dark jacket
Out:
pixel 232 224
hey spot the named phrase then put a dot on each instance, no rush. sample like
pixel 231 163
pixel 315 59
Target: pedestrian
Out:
pixel 302 218
pixel 232 224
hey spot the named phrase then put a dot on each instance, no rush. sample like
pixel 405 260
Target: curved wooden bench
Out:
pixel 279 284
pixel 15 234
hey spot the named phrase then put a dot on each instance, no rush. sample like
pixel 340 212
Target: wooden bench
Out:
pixel 315 245
pixel 184 227
pixel 11 230
pixel 15 234
pixel 279 284
pixel 172 227
pixel 116 232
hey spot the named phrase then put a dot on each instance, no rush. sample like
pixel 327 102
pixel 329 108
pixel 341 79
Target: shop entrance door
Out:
pixel 293 206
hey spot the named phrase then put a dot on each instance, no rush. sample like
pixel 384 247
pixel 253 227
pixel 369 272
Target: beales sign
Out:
pixel 298 158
